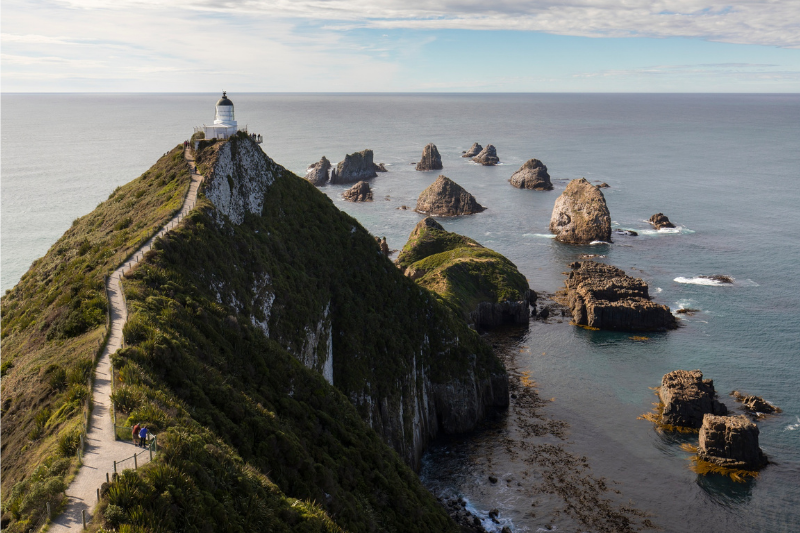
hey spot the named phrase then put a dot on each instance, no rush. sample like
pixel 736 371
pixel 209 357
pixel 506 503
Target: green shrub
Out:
pixel 57 377
pixel 124 223
pixel 68 441
pixel 127 398
pixel 136 329
pixel 114 515
pixel 151 416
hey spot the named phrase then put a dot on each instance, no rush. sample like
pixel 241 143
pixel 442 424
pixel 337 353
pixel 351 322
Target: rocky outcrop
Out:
pixel 603 185
pixel 473 151
pixel 447 198
pixel 730 442
pixel 755 406
pixel 580 215
pixel 532 175
pixel 431 160
pixel 719 278
pixel 487 157
pixel 360 192
pixel 319 173
pixel 383 245
pixel 355 167
pixel 603 296
pixel 660 220
pixel 485 285
pixel 687 398
pixel 380 167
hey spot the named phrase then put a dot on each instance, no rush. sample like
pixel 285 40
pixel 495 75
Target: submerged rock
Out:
pixel 532 175
pixel 380 168
pixel 360 192
pixel 431 160
pixel 687 398
pixel 603 185
pixel 580 215
pixel 487 157
pixel 731 442
pixel 626 232
pixel 485 286
pixel 660 220
pixel 445 197
pixel 355 167
pixel 603 296
pixel 473 151
pixel 755 405
pixel 319 173
pixel 719 278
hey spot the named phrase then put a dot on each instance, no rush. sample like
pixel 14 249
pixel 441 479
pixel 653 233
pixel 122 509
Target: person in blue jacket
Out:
pixel 143 437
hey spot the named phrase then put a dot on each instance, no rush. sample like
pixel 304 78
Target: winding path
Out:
pixel 101 449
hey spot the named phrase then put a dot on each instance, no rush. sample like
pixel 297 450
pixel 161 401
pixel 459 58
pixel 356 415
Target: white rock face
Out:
pixel 319 338
pixel 239 179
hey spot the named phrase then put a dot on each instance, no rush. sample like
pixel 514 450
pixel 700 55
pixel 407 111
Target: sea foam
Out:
pixel 699 280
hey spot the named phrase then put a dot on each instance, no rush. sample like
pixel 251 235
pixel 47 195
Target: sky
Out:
pixel 399 46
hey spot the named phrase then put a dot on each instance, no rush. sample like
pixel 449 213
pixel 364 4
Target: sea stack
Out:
pixel 603 296
pixel 447 198
pixel 730 442
pixel 319 173
pixel 532 175
pixel 355 167
pixel 580 215
pixel 487 157
pixel 431 160
pixel 474 150
pixel 687 398
pixel 360 192
pixel 660 220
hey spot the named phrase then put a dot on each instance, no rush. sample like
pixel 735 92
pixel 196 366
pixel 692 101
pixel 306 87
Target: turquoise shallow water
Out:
pixel 723 167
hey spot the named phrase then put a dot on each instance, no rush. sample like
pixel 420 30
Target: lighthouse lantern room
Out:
pixel 224 121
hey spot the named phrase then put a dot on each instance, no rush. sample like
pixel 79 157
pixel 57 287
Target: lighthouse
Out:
pixel 224 120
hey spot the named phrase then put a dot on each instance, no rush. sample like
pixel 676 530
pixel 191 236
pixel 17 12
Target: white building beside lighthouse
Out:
pixel 224 122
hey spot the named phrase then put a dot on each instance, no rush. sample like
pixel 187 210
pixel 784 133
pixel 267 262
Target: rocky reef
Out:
pixel 604 297
pixel 444 197
pixel 687 398
pixel 319 173
pixel 474 150
pixel 730 442
pixel 357 166
pixel 431 160
pixel 487 157
pixel 755 406
pixel 482 285
pixel 360 192
pixel 580 215
pixel 660 220
pixel 532 175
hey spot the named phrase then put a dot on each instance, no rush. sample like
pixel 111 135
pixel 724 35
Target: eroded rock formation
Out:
pixel 431 160
pixel 473 151
pixel 580 215
pixel 487 157
pixel 603 296
pixel 319 173
pixel 731 442
pixel 687 398
pixel 660 220
pixel 360 192
pixel 445 197
pixel 756 406
pixel 355 167
pixel 532 175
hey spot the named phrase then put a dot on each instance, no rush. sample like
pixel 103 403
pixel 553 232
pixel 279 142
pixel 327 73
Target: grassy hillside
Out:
pixel 52 322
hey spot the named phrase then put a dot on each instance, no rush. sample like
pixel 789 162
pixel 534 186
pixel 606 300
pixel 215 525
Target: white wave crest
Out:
pixel 657 290
pixel 699 280
pixel 599 242
pixel 793 427
pixel 540 235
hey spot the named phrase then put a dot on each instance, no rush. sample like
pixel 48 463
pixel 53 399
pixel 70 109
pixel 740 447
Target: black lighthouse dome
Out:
pixel 224 100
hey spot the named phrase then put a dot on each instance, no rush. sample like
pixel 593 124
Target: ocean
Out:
pixel 724 168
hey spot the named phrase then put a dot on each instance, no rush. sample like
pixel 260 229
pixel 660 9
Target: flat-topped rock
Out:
pixel 487 157
pixel 603 296
pixel 357 166
pixel 730 442
pixel 360 192
pixel 431 160
pixel 580 214
pixel 532 175
pixel 445 197
pixel 473 151
pixel 660 220
pixel 687 398
pixel 319 173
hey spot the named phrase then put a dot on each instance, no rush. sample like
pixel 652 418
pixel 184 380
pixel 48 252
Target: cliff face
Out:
pixel 322 289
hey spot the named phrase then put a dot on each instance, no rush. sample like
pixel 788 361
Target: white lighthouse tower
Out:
pixel 224 122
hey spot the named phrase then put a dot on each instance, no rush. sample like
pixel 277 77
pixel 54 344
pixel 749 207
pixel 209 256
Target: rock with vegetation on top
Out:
pixel 687 398
pixel 532 175
pixel 660 220
pixel 730 442
pixel 319 173
pixel 431 160
pixel 355 167
pixel 444 197
pixel 603 296
pixel 484 286
pixel 580 215
pixel 487 157
pixel 360 192
pixel 473 151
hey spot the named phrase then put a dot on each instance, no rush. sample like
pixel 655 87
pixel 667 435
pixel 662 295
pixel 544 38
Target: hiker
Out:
pixel 143 437
pixel 135 434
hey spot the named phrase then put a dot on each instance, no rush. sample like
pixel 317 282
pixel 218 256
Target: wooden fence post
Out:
pixel 115 467
pixel 83 517
pixel 49 512
pixel 135 466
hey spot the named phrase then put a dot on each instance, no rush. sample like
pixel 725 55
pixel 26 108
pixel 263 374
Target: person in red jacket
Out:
pixel 135 434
